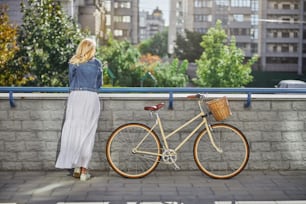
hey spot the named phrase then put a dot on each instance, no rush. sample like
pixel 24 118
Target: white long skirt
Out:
pixel 79 130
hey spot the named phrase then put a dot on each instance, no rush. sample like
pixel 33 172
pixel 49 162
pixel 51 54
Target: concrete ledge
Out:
pixel 274 125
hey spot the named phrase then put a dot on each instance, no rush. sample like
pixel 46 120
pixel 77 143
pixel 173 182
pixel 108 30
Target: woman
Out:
pixel 83 110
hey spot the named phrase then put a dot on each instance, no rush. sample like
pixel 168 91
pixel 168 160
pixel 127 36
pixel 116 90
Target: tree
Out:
pixel 188 46
pixel 127 68
pixel 122 61
pixel 48 38
pixel 222 65
pixel 8 49
pixel 157 45
pixel 172 74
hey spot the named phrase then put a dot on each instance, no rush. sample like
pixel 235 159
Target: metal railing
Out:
pixel 170 91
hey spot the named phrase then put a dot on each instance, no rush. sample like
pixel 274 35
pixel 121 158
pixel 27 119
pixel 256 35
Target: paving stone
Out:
pixel 179 187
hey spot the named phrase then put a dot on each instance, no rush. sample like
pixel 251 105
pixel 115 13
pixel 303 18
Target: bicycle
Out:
pixel 220 150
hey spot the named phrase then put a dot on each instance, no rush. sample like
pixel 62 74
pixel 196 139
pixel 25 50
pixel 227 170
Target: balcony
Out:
pixel 281 54
pixel 122 26
pixel 281 25
pixel 278 40
pixel 237 24
pixel 243 38
pixel 123 12
pixel 283 11
pixel 242 10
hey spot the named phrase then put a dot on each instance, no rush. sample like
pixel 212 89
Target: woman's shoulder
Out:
pixel 94 61
pixel 97 61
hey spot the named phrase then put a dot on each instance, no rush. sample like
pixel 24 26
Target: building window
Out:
pixel 254 5
pixel 240 31
pixel 118 33
pixel 254 19
pixel 241 3
pixel 254 33
pixel 304 48
pixel 286 20
pixel 295 48
pixel 304 34
pixel 122 4
pixel 201 18
pixel 254 48
pixel 107 6
pixel 286 6
pixel 124 19
pixel 238 17
pixel 285 48
pixel 108 20
pixel 285 34
pixel 223 2
pixel 198 3
pixel 241 45
pixel 179 5
pixel 282 60
pixel 201 30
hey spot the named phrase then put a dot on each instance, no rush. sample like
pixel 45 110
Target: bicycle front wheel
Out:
pixel 234 153
pixel 133 151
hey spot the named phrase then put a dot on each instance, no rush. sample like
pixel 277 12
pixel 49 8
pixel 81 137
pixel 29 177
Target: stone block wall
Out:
pixel 30 133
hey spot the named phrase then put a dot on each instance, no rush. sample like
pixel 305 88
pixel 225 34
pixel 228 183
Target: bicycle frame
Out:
pixel 165 137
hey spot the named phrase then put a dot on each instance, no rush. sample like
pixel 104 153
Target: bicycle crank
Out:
pixel 169 156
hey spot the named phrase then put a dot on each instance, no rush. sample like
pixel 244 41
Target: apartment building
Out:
pixel 150 24
pixel 282 29
pixel 122 19
pixel 101 17
pixel 88 13
pixel 273 29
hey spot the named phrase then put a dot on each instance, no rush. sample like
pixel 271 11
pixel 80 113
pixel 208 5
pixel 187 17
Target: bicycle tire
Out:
pixel 120 146
pixel 231 161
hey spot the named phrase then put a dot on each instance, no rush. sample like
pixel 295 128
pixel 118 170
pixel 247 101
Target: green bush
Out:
pixel 172 74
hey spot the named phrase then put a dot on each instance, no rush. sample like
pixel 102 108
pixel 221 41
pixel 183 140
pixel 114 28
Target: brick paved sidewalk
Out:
pixel 174 187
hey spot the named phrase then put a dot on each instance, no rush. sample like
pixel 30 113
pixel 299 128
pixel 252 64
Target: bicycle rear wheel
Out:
pixel 125 159
pixel 233 158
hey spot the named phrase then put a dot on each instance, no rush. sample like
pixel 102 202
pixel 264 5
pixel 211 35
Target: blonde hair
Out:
pixel 85 51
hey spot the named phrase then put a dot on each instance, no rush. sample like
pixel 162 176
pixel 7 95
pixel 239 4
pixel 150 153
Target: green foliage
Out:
pixel 8 49
pixel 222 65
pixel 125 68
pixel 122 61
pixel 188 46
pixel 157 45
pixel 48 38
pixel 172 74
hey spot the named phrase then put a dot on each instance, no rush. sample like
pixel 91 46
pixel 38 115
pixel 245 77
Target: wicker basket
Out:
pixel 219 108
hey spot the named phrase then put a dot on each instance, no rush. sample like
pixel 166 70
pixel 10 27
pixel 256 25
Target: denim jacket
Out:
pixel 86 76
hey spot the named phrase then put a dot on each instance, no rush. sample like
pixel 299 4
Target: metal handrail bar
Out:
pixel 7 89
pixel 170 90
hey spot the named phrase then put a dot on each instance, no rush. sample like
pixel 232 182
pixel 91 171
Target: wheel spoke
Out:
pixel 123 157
pixel 229 162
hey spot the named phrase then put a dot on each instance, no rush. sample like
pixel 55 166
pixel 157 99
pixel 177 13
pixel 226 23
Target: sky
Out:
pixel 150 5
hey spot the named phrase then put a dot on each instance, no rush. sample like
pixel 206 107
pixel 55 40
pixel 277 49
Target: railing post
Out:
pixel 11 99
pixel 170 107
pixel 249 99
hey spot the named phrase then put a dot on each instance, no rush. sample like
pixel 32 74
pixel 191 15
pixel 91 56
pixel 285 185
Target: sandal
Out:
pixel 77 172
pixel 85 177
